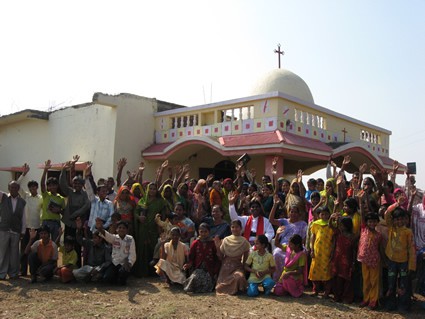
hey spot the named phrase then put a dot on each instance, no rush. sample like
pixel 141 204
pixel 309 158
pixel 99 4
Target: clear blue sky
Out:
pixel 361 58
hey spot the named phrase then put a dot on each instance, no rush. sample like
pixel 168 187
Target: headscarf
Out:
pixel 174 198
pixel 295 200
pixel 120 190
pixel 137 185
pixel 331 197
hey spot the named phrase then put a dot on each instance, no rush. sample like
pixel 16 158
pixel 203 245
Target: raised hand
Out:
pixel 87 171
pixel 276 199
pixel 363 168
pixel 210 177
pixel 396 166
pixel 33 233
pixel 75 159
pixel 66 165
pixel 233 196
pixel 165 164
pixel 347 160
pixel 26 169
pixel 121 163
pixel 274 165
pixel 48 164
pixel 280 230
pixel 300 175
pixel 141 166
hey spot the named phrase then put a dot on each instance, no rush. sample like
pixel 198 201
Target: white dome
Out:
pixel 286 82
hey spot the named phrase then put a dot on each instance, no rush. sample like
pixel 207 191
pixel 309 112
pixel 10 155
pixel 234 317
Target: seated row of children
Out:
pixel 109 262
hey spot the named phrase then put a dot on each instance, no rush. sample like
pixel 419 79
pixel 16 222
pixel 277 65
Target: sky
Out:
pixel 365 59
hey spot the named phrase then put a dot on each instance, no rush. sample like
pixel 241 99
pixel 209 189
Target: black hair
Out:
pixel 314 195
pixel 176 230
pixel 312 181
pixel 44 228
pixel 254 201
pixel 78 179
pixel 390 185
pixel 204 226
pixel 254 186
pixel 269 186
pixel 32 183
pixel 69 240
pixel 320 180
pixel 179 204
pixel 123 223
pixel 372 216
pixel 52 181
pixel 263 240
pixel 348 223
pixel 296 240
pixel 323 209
pixel 236 222
pixel 398 213
pixel 351 203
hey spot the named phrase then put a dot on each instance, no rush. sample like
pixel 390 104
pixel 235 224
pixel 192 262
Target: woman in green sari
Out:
pixel 145 229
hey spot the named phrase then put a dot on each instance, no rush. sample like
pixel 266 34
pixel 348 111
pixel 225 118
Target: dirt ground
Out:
pixel 149 298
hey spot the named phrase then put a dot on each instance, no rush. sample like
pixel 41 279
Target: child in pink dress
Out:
pixel 294 275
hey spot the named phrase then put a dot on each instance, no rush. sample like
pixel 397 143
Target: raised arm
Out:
pixel 25 171
pixel 160 172
pixel 276 203
pixel 300 183
pixel 72 174
pixel 139 176
pixel 63 182
pixel 47 166
pixel 120 165
pixel 88 185
pixel 362 170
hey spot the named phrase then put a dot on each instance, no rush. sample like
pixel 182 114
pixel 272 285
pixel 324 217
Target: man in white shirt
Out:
pixel 33 210
pixel 253 225
pixel 123 252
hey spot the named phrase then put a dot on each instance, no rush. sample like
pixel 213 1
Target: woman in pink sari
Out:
pixel 294 275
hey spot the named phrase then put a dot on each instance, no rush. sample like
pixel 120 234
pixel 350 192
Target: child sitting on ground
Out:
pixel 261 265
pixel 69 258
pixel 294 275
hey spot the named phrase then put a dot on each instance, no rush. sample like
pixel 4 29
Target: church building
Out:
pixel 279 118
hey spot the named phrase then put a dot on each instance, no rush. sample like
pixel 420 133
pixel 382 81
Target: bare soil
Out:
pixel 149 298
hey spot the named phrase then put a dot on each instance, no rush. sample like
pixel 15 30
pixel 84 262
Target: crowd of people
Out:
pixel 358 240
